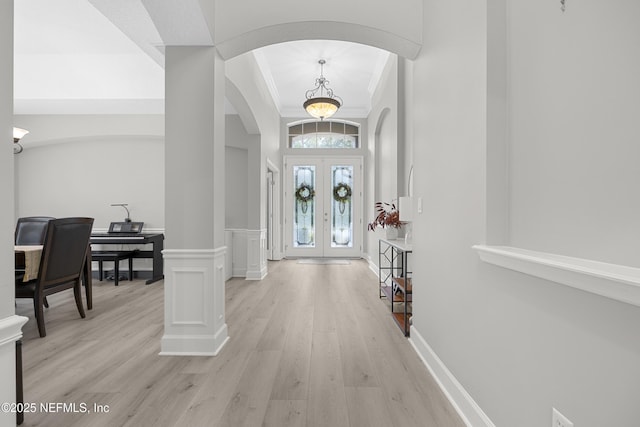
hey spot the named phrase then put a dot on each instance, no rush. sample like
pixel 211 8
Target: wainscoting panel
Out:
pixel 194 302
pixel 239 254
pixel 249 253
pixel 228 256
pixel 257 254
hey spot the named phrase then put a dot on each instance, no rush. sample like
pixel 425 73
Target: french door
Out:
pixel 323 204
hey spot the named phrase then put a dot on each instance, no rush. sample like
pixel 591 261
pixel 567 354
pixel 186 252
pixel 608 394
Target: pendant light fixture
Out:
pixel 321 103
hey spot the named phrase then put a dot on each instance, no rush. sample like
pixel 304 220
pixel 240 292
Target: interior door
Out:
pixel 323 201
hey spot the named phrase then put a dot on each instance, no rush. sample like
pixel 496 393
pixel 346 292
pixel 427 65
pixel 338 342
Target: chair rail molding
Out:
pixel 194 303
pixel 618 282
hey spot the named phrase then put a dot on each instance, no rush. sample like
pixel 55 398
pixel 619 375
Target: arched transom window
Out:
pixel 324 134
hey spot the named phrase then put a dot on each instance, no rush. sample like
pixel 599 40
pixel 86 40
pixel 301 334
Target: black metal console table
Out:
pixel 395 282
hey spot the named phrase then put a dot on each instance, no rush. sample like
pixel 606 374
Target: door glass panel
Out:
pixel 304 206
pixel 342 207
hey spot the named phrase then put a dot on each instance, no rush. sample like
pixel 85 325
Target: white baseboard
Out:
pixel 461 400
pixel 196 345
pixel 372 266
pixel 256 275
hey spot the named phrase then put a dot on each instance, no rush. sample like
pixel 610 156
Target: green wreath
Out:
pixel 305 193
pixel 342 192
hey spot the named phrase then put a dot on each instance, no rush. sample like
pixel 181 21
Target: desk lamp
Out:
pixel 124 205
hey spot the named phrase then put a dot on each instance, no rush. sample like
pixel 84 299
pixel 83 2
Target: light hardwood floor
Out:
pixel 311 345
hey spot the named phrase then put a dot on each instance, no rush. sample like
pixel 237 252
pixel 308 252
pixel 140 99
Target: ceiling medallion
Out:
pixel 321 102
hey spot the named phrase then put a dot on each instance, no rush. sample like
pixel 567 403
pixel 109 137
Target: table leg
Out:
pixel 158 273
pixel 19 385
pixel 87 279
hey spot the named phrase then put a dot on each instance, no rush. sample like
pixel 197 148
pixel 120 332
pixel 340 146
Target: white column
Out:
pixel 10 324
pixel 194 202
pixel 194 302
pixel 7 208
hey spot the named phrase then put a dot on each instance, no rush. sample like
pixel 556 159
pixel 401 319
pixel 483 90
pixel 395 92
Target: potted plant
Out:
pixel 387 217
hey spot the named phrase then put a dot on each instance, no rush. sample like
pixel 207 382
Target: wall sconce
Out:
pixel 17 136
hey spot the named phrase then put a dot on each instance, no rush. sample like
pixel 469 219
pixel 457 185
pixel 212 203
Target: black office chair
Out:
pixel 31 230
pixel 61 265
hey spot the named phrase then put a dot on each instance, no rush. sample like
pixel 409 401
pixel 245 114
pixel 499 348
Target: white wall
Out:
pixel 386 148
pixel 392 26
pixel 6 158
pixel 79 165
pixel 245 74
pixel 7 293
pixel 574 132
pixel 236 200
pixel 521 345
pixel 240 145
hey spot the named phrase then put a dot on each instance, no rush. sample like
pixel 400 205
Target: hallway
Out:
pixel 311 345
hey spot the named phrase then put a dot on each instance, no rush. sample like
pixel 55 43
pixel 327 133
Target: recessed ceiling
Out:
pixel 71 59
pixel 353 71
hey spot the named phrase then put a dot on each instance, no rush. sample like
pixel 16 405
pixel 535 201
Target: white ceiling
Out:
pixel 71 59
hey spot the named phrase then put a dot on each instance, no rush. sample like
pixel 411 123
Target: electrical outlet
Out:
pixel 559 420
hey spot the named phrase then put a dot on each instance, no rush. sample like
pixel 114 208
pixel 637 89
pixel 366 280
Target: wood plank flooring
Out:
pixel 311 345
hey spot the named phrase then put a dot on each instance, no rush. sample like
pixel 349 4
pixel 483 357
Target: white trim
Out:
pixel 11 329
pixel 372 266
pixel 256 254
pixel 347 122
pixel 199 345
pixel 248 254
pixel 460 399
pixel 238 253
pixel 276 241
pixel 194 305
pixel 263 65
pixel 614 281
pixel 193 253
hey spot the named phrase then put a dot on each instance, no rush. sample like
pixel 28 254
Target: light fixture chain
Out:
pixel 327 103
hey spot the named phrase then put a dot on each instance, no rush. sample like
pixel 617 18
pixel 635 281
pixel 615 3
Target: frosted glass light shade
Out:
pixel 321 108
pixel 405 207
pixel 18 134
